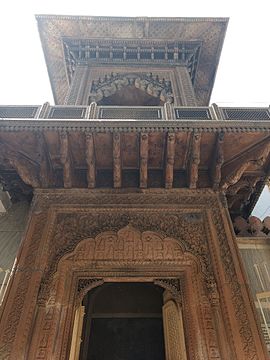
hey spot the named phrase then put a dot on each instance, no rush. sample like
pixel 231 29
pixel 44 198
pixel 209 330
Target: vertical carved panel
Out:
pixel 77 88
pixel 173 332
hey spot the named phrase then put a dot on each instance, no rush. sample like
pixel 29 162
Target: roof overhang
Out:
pixel 210 32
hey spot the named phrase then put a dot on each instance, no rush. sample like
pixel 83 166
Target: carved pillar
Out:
pixel 143 160
pixel 76 334
pixel 117 173
pixel 18 308
pixel 78 86
pixel 90 160
pixel 170 153
pixel 174 336
pixel 187 94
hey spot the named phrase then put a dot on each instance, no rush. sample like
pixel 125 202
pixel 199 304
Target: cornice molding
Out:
pixel 135 125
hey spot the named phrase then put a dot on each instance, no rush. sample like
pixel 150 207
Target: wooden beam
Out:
pixel 66 160
pixel 169 160
pixel 117 176
pixel 218 161
pixel 143 159
pixel 90 160
pixel 193 168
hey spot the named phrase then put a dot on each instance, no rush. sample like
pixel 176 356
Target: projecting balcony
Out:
pixel 167 112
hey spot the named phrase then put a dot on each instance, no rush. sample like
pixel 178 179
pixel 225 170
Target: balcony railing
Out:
pixel 166 112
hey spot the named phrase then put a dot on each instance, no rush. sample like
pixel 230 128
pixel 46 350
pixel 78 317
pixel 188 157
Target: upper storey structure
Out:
pixel 91 58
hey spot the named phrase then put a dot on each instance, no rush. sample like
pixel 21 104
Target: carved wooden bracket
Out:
pixel 255 156
pixel 152 85
pixel 27 169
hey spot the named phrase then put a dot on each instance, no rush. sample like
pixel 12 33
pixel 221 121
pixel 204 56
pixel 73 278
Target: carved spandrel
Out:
pixel 194 161
pixel 173 286
pixel 117 160
pixel 65 159
pixel 143 159
pixel 170 160
pixel 90 160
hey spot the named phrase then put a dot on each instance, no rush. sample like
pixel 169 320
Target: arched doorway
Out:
pixel 123 321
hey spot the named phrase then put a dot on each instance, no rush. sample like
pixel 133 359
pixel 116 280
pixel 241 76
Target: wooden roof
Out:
pixel 210 32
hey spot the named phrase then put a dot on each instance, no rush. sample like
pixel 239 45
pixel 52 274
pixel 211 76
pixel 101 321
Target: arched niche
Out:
pixel 138 89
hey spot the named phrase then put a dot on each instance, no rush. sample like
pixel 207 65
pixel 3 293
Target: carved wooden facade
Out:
pixel 73 243
pixel 162 214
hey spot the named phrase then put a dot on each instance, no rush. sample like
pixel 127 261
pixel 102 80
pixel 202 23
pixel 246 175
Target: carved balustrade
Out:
pixel 168 112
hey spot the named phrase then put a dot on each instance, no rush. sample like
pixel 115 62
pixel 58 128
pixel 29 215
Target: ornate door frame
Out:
pixel 149 257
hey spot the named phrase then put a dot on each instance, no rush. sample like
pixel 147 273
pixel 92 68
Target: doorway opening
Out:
pixel 123 321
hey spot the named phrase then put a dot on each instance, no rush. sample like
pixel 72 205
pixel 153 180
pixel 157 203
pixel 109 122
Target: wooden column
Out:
pixel 193 166
pixel 169 160
pixel 66 160
pixel 76 334
pixel 218 161
pixel 117 176
pixel 143 159
pixel 174 336
pixel 90 160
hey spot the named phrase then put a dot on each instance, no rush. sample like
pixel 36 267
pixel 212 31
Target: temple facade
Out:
pixel 137 242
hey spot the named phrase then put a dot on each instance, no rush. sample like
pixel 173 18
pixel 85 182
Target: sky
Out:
pixel 243 75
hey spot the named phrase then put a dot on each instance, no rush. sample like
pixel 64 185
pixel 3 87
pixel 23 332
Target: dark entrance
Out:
pixel 123 321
